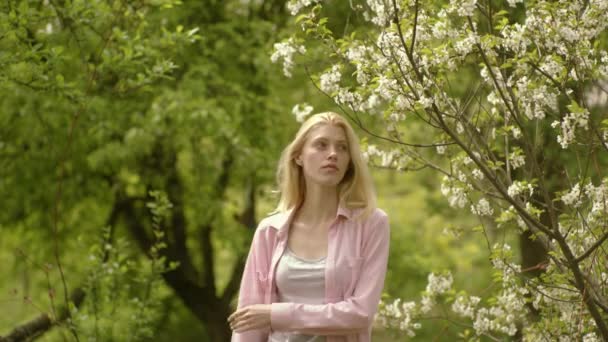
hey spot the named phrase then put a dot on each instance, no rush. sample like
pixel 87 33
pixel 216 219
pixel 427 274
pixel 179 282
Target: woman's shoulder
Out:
pixel 274 220
pixel 370 216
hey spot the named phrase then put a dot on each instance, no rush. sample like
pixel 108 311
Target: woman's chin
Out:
pixel 328 180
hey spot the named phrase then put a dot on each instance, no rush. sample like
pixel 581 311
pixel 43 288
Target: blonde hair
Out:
pixel 355 190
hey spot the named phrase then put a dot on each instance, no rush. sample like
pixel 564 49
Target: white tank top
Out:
pixel 299 281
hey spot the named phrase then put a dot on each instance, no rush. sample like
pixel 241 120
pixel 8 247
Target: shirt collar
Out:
pixel 281 220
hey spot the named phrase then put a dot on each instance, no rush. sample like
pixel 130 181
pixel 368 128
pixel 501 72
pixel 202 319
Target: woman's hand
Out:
pixel 251 317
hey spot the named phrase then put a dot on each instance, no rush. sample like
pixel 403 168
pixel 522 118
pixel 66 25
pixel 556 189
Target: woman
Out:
pixel 316 268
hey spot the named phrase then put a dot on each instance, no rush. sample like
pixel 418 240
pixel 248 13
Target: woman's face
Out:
pixel 325 155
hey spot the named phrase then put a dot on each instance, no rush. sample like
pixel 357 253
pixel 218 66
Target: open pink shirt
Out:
pixel 356 263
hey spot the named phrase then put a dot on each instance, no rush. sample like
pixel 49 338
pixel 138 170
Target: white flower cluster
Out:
pixel 383 11
pixel 569 124
pixel 330 80
pixel 482 208
pixel 285 51
pixel 349 98
pixel 425 102
pixel 394 158
pixel 509 305
pixel 399 315
pixel 465 45
pixel 517 160
pixel 515 38
pixel 499 318
pixel 295 6
pixel 579 238
pixel 477 174
pixel 535 99
pixel 501 259
pixel 518 187
pixel 357 55
pixel 465 306
pixel 599 200
pixel 457 196
pixel 564 302
pixel 437 284
pixel 573 197
pixel 513 3
pixel 463 8
pixel 516 133
pixel 387 88
pixel 552 67
pixel 486 75
pixel 301 111
pixel 389 44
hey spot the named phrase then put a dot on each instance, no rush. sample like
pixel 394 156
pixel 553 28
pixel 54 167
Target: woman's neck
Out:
pixel 319 206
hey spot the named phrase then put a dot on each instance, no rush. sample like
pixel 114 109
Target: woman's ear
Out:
pixel 298 160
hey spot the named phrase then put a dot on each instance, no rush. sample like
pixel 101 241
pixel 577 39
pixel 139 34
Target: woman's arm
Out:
pixel 252 290
pixel 353 314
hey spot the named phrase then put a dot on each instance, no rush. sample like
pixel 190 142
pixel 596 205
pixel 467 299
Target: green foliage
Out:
pixel 106 101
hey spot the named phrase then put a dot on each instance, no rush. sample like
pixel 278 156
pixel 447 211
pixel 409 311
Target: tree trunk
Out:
pixel 217 323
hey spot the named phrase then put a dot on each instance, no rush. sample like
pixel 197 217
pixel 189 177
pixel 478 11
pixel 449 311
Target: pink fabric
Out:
pixel 356 263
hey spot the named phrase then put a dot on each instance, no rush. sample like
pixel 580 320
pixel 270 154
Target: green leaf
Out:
pixel 59 79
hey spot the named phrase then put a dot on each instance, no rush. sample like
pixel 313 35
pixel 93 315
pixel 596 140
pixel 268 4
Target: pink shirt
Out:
pixel 357 256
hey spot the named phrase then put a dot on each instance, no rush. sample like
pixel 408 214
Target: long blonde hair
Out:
pixel 356 188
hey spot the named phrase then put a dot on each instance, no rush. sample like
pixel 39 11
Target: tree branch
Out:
pixel 592 248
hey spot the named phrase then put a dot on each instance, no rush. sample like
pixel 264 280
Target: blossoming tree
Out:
pixel 506 100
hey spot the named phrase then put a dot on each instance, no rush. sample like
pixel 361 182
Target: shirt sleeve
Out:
pixel 354 314
pixel 253 285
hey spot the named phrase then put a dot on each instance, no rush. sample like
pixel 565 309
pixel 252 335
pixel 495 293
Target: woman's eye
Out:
pixel 343 148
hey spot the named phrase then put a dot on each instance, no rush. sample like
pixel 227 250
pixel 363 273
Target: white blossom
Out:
pixel 382 11
pixel 396 117
pixel 464 306
pixel 399 315
pixel 482 208
pixel 387 88
pixel 591 337
pixel 329 81
pixel 426 304
pixel 425 102
pixel 459 128
pixel 477 174
pixel 552 67
pixel 579 118
pixel 463 8
pixel 295 6
pixel 572 198
pixel 515 38
pixel 512 3
pixel 515 189
pixel 285 51
pixel 517 160
pixel 516 132
pixel 440 30
pixel 301 111
pixel 456 195
pixel 347 97
pixel 439 283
